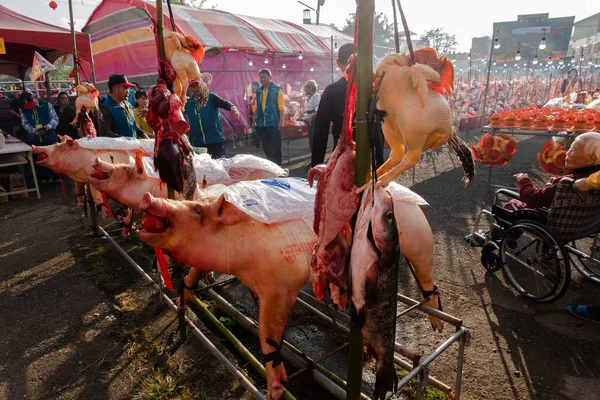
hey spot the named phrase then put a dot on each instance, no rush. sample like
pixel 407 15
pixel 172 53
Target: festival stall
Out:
pixel 236 48
pixel 24 36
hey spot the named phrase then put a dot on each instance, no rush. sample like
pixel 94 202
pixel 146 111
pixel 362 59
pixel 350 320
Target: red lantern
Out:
pixel 53 5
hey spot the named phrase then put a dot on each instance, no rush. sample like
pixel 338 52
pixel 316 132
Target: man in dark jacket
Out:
pixel 206 129
pixel 117 114
pixel 331 112
pixel 268 120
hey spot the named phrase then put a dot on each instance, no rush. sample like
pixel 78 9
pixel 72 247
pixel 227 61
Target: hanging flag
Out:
pixel 40 66
pixel 64 58
pixel 2 46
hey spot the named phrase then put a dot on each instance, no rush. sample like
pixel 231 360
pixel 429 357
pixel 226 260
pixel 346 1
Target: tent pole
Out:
pixel 487 82
pixel 364 83
pixel 331 58
pixel 48 90
pixel 75 60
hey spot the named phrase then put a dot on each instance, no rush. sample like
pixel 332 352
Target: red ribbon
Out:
pixel 162 264
pixel 105 201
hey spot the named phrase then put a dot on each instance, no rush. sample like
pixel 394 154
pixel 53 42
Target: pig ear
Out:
pixel 227 213
pixel 70 142
pixel 139 164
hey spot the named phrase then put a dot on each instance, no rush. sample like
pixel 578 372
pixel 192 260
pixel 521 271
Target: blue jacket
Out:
pixel 205 122
pixel 123 119
pixel 269 117
pixel 41 116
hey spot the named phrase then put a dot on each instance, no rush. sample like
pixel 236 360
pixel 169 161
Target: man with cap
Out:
pixel 331 111
pixel 39 119
pixel 117 114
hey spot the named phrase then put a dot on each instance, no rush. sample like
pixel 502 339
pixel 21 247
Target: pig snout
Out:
pixel 40 152
pixel 153 206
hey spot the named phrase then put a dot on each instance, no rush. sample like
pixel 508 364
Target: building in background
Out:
pixel 585 40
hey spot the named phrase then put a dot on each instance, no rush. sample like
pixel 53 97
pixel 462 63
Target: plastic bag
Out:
pixel 270 200
pixel 402 193
pixel 121 143
pixel 245 167
pixel 204 165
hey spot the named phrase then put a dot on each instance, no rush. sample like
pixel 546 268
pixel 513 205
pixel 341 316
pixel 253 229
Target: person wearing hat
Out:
pixel 39 119
pixel 117 114
pixel 202 111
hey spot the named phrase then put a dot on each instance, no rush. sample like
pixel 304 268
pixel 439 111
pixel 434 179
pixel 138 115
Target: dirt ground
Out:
pixel 78 323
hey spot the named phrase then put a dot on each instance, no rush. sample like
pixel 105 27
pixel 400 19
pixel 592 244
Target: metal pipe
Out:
pixel 459 333
pixel 331 58
pixel 432 311
pixel 397 346
pixel 203 339
pixel 319 374
pixel 487 82
pixel 459 367
pixel 431 380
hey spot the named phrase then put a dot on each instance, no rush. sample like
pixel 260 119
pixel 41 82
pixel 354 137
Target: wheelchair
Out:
pixel 535 248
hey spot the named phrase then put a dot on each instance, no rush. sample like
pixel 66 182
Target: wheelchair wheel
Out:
pixel 533 262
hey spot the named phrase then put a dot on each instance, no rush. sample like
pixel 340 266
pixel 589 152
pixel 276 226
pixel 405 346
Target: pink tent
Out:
pixel 236 48
pixel 23 36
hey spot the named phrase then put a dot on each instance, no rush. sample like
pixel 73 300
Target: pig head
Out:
pixel 271 259
pixel 124 183
pixel 70 159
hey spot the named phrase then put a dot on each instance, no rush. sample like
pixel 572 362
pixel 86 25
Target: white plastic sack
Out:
pixel 245 167
pixel 271 200
pixel 556 102
pixel 121 143
pixel 204 165
pixel 594 105
pixel 402 193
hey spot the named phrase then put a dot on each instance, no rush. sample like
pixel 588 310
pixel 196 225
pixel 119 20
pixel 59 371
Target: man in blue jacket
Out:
pixel 204 117
pixel 268 119
pixel 117 114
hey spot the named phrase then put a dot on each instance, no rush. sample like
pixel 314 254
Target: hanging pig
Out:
pixel 271 259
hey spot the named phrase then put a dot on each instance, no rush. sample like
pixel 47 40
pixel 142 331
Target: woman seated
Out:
pixel 582 160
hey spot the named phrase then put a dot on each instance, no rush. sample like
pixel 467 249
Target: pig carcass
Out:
pixel 126 183
pixel 271 259
pixel 335 204
pixel 74 158
pixel 418 116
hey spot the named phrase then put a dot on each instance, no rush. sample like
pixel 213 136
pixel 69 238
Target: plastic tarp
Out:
pixel 23 36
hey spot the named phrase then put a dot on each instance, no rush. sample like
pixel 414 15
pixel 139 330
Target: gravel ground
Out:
pixel 78 323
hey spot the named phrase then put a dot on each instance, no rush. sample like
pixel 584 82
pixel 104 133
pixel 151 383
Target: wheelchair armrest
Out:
pixel 507 193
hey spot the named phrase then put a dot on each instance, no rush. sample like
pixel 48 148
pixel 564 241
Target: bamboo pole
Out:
pixel 198 305
pixel 74 43
pixel 177 276
pixel 364 83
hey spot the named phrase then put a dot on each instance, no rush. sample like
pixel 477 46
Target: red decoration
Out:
pixel 494 151
pixel 53 5
pixel 552 158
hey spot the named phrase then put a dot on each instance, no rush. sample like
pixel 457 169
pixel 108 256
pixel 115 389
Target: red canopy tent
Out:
pixel 23 36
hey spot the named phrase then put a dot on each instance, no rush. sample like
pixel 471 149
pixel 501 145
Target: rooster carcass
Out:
pixel 183 53
pixel 87 100
pixel 418 115
pixel 335 204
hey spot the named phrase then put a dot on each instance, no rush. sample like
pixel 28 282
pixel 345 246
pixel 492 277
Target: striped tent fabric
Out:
pixel 122 37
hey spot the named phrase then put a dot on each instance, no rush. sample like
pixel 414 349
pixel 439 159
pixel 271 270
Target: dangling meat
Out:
pixel 173 155
pixel 374 274
pixel 86 124
pixel 335 204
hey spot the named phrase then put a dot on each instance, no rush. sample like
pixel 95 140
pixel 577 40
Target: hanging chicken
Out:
pixel 418 115
pixel 183 53
pixel 87 100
